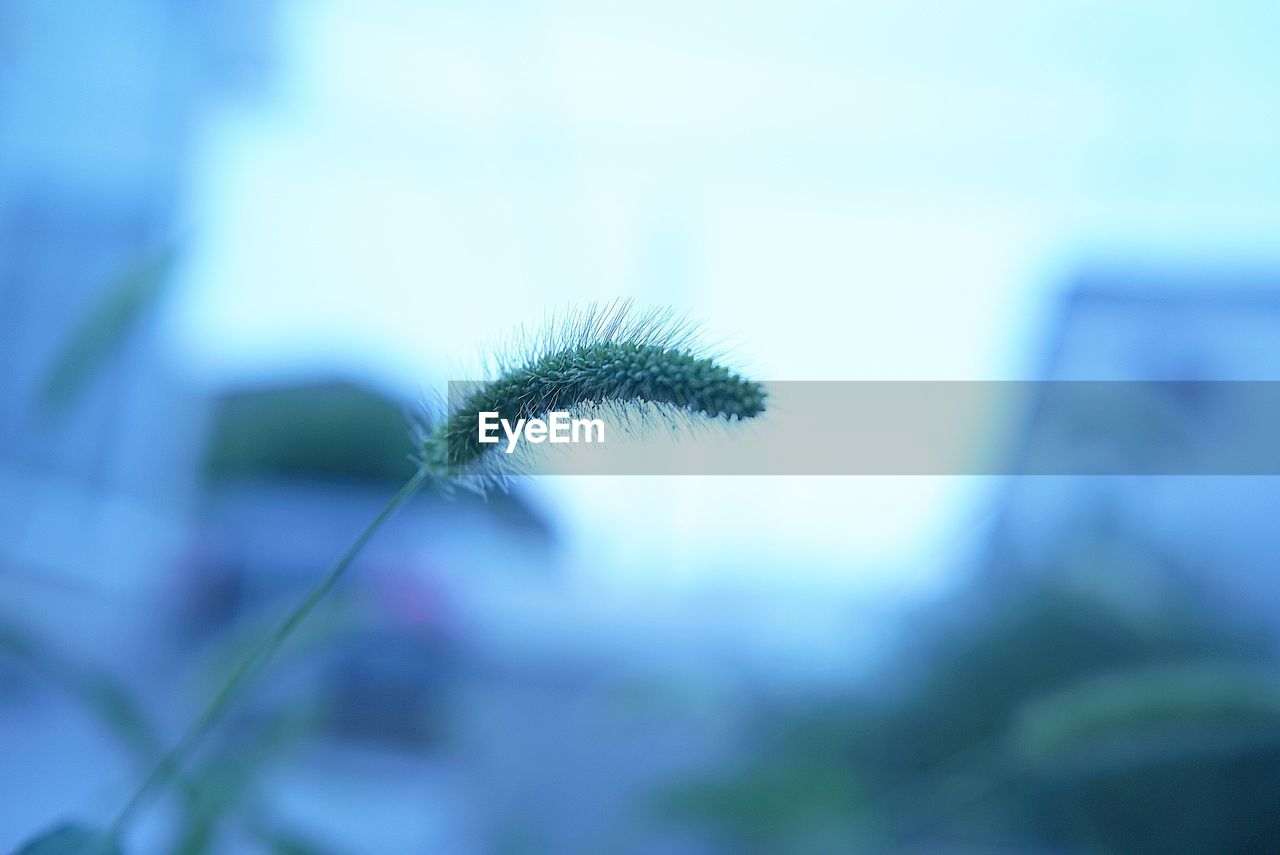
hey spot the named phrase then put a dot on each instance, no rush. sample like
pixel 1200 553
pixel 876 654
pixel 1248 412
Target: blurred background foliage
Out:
pixel 1054 722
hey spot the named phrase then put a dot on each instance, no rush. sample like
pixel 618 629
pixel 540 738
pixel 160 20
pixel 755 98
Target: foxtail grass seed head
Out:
pixel 606 358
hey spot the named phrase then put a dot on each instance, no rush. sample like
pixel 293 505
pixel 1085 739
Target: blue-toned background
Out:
pixel 239 238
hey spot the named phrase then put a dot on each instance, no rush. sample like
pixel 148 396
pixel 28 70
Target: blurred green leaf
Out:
pixel 69 839
pixel 287 842
pixel 101 696
pixel 1165 709
pixel 1172 759
pixel 103 328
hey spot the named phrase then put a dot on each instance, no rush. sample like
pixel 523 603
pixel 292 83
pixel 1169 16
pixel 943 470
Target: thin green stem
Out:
pixel 172 761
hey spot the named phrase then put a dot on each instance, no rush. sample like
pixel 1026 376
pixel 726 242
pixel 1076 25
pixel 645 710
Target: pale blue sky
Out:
pixel 842 190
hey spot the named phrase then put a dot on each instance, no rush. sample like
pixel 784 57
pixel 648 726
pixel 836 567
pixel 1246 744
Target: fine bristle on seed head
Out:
pixel 608 355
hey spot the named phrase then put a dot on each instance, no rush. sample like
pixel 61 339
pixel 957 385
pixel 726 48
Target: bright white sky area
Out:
pixel 871 190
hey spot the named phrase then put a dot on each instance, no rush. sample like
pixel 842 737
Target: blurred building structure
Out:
pixel 1134 535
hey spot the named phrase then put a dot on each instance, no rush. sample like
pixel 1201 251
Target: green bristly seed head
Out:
pixel 632 364
pixel 603 356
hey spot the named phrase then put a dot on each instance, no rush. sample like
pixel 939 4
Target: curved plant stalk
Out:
pixel 171 763
pixel 604 356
